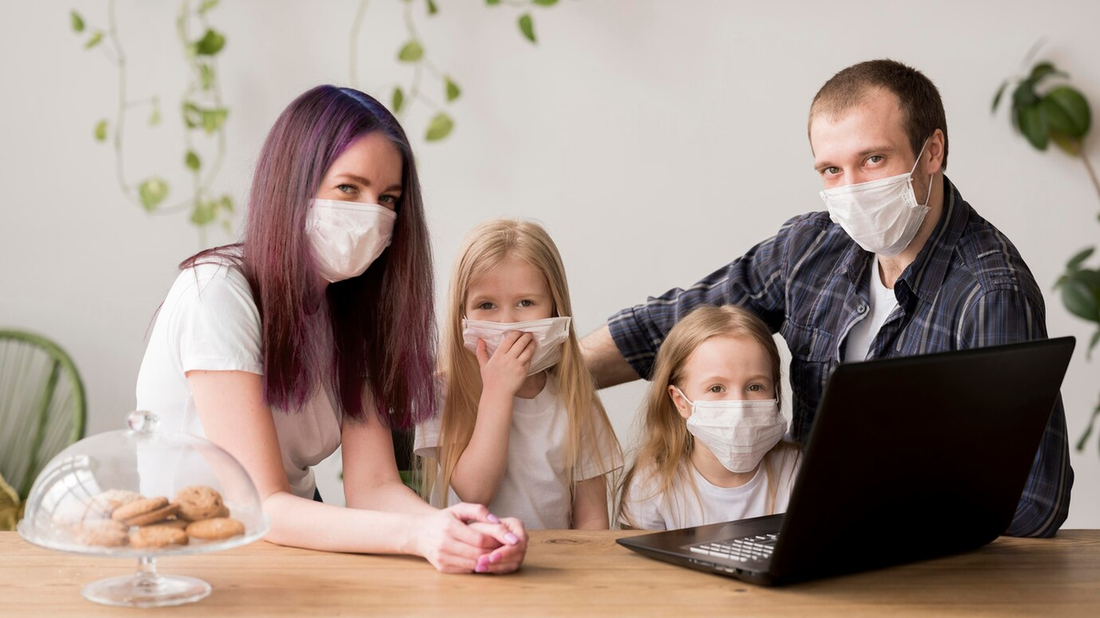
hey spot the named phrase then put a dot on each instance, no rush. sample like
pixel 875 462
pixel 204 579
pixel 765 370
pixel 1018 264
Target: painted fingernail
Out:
pixel 493 519
pixel 511 538
pixel 495 558
pixel 481 568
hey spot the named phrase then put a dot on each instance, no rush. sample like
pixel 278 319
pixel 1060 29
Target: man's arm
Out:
pixel 1008 316
pixel 624 349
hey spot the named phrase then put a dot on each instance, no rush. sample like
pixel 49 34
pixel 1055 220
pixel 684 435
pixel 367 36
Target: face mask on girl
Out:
pixel 549 335
pixel 738 432
pixel 347 237
pixel 883 215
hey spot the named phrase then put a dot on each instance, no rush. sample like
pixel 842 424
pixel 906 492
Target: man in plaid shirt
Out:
pixel 899 265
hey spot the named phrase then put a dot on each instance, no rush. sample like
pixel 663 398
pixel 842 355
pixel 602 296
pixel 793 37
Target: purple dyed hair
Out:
pixel 381 323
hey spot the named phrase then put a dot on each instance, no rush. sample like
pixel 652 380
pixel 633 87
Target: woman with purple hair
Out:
pixel 318 331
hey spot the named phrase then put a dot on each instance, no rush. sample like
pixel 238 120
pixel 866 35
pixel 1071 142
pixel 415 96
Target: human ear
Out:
pixel 682 406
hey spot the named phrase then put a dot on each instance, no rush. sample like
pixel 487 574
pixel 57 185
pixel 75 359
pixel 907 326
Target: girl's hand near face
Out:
pixel 506 370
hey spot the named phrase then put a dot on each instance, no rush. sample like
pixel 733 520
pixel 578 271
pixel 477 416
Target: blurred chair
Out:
pixel 42 408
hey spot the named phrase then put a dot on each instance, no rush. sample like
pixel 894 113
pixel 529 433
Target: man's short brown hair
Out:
pixel 921 105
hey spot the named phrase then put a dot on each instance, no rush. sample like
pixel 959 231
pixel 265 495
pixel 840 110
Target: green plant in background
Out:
pixel 413 52
pixel 201 110
pixel 1060 115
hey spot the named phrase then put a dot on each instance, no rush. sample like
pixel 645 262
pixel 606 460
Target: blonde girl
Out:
pixel 521 428
pixel 711 449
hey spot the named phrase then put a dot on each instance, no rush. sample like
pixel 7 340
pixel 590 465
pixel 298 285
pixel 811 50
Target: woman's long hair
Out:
pixel 663 459
pixel 377 329
pixel 590 431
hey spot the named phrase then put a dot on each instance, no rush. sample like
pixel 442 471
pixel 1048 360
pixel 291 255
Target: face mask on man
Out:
pixel 347 237
pixel 883 215
pixel 738 432
pixel 549 335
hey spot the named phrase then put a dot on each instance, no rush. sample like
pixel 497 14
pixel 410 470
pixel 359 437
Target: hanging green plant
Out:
pixel 1061 115
pixel 202 112
pixel 414 53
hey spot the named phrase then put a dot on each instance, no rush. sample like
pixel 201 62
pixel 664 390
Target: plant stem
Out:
pixel 1088 166
pixel 120 113
pixel 353 45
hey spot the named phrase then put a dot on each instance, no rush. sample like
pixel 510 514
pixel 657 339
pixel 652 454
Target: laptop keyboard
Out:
pixel 744 549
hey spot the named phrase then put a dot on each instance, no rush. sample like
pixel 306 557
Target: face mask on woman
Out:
pixel 738 432
pixel 347 237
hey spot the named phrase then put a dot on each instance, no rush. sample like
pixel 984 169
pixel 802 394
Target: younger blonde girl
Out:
pixel 711 450
pixel 521 428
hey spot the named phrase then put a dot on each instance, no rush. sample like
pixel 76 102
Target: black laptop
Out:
pixel 908 459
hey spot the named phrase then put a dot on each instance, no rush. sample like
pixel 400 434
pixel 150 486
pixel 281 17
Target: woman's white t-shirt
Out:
pixel 209 321
pixel 679 508
pixel 535 485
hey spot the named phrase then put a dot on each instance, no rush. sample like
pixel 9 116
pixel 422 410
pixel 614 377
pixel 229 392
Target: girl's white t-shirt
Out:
pixel 209 321
pixel 535 486
pixel 679 508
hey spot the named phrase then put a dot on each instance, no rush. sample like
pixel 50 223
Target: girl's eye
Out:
pixel 345 188
pixel 717 388
pixel 755 388
pixel 485 306
pixel 525 303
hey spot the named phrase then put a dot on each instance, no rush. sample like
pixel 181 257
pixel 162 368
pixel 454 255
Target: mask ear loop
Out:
pixel 931 177
pixel 690 402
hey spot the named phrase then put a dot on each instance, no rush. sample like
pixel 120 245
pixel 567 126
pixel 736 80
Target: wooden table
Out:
pixel 569 573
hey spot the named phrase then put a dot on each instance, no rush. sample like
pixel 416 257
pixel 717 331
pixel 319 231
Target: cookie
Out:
pixel 179 524
pixel 217 529
pixel 106 502
pixel 223 512
pixel 145 511
pixel 157 536
pixel 102 532
pixel 198 502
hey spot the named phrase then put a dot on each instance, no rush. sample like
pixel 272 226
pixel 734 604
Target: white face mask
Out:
pixel 738 432
pixel 883 215
pixel 347 236
pixel 549 335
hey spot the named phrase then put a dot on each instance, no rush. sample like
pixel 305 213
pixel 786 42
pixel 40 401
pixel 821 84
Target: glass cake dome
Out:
pixel 143 493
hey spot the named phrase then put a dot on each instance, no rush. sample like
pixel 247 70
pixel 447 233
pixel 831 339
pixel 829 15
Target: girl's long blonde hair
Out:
pixel 664 455
pixel 590 432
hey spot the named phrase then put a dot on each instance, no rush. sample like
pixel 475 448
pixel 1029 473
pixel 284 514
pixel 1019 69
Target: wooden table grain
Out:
pixel 569 573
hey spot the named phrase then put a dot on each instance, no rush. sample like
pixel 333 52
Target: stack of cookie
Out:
pixel 125 517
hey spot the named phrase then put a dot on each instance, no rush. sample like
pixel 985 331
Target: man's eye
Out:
pixel 874 158
pixel 831 171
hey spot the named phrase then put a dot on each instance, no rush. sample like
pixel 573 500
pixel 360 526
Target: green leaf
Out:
pixel 411 52
pixel 192 115
pixel 1090 278
pixel 544 2
pixel 1088 430
pixel 101 130
pixel 432 8
pixel 492 2
pixel 1076 109
pixel 439 127
pixel 1034 127
pixel 1075 262
pixel 152 192
pixel 154 116
pixel 77 21
pixel 1080 301
pixel 1069 145
pixel 1092 343
pixel 1024 95
pixel 210 43
pixel 192 161
pixel 205 211
pixel 96 39
pixel 206 76
pixel 453 91
pixel 997 97
pixel 226 203
pixel 1043 70
pixel 527 27
pixel 398 99
pixel 207 5
pixel 213 119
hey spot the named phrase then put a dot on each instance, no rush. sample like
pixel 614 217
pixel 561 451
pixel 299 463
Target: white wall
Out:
pixel 656 140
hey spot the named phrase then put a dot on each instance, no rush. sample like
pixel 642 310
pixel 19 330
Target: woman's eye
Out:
pixel 345 188
pixel 388 199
